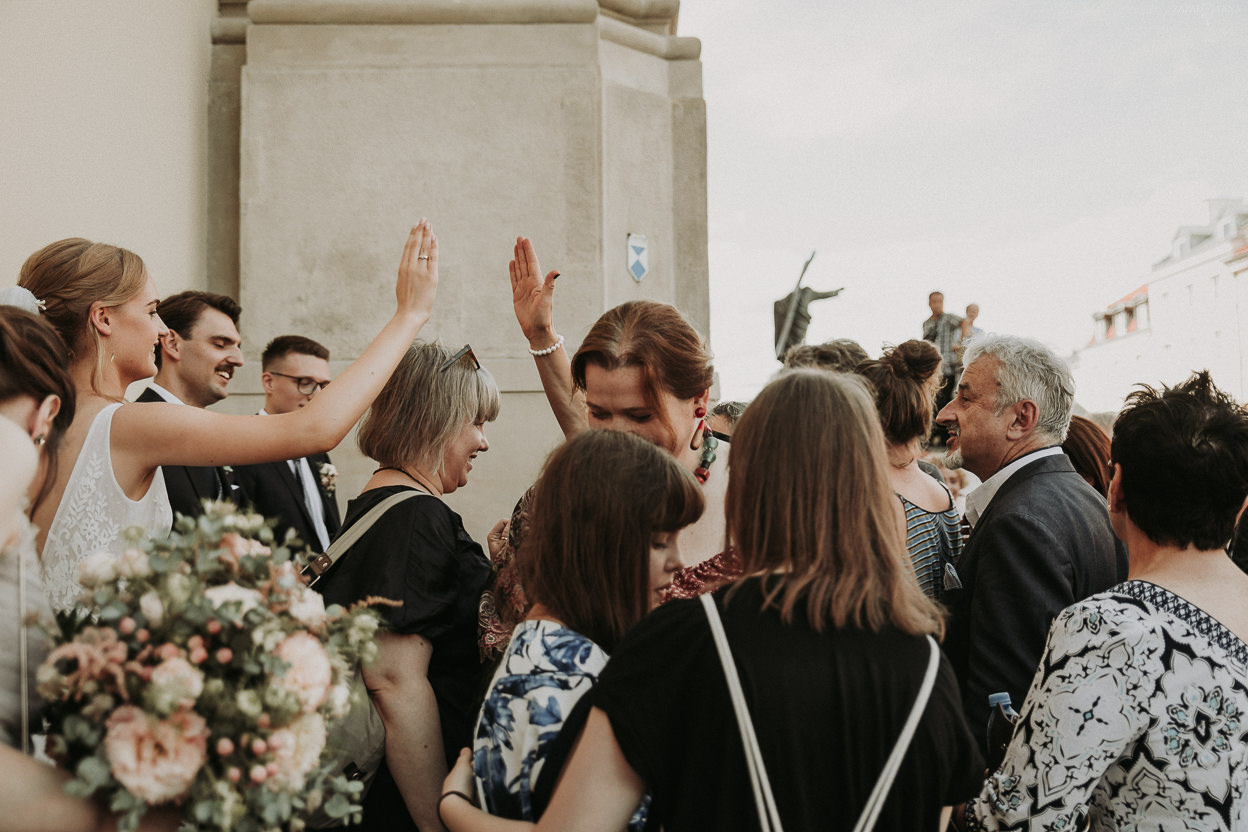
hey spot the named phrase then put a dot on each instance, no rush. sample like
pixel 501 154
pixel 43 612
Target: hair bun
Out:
pixel 913 359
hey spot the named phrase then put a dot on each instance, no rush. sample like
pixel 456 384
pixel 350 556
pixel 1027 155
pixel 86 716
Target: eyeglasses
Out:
pixel 305 385
pixel 466 350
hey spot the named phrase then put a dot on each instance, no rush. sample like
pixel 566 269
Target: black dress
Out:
pixel 418 553
pixel 827 709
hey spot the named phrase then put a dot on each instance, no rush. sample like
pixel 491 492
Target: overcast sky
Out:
pixel 1033 157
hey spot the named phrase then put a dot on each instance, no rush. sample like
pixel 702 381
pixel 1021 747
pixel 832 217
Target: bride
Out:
pixel 102 301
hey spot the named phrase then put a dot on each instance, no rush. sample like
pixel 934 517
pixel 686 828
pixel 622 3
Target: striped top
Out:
pixel 933 539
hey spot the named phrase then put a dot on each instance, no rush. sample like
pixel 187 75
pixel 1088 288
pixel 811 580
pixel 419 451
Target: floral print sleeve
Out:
pixel 1133 721
pixel 545 671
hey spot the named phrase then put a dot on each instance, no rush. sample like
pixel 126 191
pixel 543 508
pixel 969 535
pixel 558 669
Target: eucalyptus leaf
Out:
pixel 94 772
pixel 338 806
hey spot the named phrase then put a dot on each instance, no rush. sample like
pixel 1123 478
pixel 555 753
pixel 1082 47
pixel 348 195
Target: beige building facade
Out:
pixel 327 128
pixel 1191 313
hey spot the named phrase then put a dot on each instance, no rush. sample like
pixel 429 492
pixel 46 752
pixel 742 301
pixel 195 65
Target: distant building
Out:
pixel 1191 313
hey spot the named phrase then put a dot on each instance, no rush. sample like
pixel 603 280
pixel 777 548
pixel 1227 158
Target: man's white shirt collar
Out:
pixel 977 501
pixel 164 394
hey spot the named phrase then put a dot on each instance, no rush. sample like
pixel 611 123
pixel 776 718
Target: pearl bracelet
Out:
pixel 548 350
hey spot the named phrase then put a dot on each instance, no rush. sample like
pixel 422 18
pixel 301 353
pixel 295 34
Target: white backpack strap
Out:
pixel 875 802
pixel 768 815
pixel 320 564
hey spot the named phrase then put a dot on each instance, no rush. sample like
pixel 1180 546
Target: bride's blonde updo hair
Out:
pixel 72 274
pixel 904 396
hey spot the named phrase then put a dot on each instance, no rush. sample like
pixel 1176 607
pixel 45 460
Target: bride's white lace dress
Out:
pixel 93 513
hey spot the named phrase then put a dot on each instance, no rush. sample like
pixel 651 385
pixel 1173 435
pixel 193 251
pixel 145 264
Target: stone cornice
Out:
pixel 629 23
pixel 395 12
pixel 643 9
pixel 664 46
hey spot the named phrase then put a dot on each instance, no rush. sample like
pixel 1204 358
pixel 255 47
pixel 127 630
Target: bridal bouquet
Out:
pixel 204 673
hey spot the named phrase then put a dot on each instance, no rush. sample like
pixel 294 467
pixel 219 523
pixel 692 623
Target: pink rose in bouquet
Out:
pixel 156 759
pixel 310 674
pixel 297 749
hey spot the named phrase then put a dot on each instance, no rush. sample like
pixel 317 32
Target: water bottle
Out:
pixel 1001 720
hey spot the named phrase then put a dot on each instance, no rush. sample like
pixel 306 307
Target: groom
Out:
pixel 195 361
pixel 298 492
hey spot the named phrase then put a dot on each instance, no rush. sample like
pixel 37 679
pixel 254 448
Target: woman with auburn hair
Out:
pixel 901 379
pixel 594 561
pixel 102 302
pixel 1087 445
pixel 832 646
pixel 643 369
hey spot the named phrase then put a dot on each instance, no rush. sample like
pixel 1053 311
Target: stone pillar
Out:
pixel 229 53
pixel 572 122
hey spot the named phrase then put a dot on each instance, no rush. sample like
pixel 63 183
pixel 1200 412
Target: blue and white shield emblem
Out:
pixel 638 256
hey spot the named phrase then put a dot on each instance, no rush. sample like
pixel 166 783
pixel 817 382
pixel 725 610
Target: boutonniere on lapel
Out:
pixel 329 477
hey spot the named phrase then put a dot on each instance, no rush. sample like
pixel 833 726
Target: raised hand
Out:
pixel 417 284
pixel 532 296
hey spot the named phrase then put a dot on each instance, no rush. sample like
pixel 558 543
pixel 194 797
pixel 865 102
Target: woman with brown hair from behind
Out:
pixel 1087 445
pixel 901 381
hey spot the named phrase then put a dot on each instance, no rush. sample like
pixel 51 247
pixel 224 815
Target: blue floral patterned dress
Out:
pixel 1135 721
pixel 546 670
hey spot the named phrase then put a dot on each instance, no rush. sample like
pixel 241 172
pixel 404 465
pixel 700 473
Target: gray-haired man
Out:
pixel 1040 535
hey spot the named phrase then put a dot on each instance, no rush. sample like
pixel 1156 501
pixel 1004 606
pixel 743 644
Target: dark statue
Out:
pixel 792 315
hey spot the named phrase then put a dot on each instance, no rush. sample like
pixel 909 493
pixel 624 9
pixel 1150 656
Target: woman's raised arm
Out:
pixel 149 435
pixel 533 298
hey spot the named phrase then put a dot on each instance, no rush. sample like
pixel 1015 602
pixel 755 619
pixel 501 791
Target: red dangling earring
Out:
pixel 695 443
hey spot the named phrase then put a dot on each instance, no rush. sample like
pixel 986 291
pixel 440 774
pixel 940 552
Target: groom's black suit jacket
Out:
pixel 188 485
pixel 273 490
pixel 1043 543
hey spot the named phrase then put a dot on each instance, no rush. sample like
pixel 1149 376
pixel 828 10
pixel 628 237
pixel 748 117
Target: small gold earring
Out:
pixel 41 440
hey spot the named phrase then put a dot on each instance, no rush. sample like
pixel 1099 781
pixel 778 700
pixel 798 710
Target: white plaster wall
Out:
pixel 102 129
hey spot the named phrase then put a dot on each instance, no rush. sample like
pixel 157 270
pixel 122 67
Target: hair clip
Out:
pixel 22 298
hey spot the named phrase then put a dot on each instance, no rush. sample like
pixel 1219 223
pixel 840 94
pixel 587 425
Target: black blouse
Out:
pixel 827 708
pixel 419 553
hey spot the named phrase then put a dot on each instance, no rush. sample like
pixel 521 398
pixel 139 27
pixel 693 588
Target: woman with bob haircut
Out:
pixel 830 635
pixel 642 369
pixel 901 379
pixel 594 561
pixel 425 428
pixel 102 301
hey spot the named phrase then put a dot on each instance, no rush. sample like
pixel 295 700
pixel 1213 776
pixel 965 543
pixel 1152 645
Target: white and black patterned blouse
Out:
pixel 1135 720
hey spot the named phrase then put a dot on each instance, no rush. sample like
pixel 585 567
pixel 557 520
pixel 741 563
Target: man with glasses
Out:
pixel 195 362
pixel 300 493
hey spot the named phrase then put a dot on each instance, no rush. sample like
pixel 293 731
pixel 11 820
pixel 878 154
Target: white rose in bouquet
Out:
pixel 97 569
